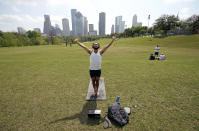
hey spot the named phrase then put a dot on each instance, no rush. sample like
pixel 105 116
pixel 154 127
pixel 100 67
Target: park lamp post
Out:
pixel 148 23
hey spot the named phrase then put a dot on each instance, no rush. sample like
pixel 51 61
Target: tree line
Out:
pixel 165 25
pixel 30 38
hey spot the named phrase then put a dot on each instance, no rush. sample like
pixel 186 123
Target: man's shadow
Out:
pixel 83 115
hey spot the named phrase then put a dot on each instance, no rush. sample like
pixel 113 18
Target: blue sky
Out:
pixel 29 13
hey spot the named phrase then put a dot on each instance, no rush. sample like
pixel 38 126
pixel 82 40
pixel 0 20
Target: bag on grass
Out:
pixel 118 114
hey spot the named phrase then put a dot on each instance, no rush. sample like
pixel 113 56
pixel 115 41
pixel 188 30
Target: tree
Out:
pixel 139 30
pixel 51 38
pixel 166 22
pixel 193 23
pixel 33 34
pixel 34 37
pixel 1 33
pixel 151 31
pixel 128 32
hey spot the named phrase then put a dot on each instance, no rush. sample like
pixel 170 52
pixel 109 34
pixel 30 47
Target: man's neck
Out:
pixel 95 51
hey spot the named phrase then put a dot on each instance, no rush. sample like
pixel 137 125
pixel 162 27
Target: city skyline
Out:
pixel 17 13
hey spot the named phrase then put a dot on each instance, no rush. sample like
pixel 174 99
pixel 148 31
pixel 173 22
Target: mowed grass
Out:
pixel 44 87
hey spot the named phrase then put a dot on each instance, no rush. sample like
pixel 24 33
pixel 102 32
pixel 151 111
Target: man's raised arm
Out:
pixel 106 47
pixel 82 45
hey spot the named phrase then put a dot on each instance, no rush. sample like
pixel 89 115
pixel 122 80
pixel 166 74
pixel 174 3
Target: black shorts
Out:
pixel 156 53
pixel 95 73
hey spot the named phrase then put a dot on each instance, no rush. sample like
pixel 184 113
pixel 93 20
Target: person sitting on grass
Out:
pixel 162 57
pixel 95 61
pixel 152 57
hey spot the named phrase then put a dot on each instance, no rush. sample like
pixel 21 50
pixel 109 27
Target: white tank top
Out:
pixel 95 61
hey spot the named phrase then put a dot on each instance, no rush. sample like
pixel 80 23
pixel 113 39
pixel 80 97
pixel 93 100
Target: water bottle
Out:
pixel 118 100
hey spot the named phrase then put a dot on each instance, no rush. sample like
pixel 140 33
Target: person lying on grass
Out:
pixel 95 61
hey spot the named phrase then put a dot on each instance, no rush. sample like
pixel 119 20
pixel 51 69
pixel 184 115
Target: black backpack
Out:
pixel 118 114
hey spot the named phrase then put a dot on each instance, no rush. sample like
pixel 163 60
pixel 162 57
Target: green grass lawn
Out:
pixel 44 87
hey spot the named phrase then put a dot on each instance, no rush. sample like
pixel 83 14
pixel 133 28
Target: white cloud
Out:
pixel 11 22
pixel 176 1
pixel 74 3
pixel 22 2
pixel 54 3
pixel 9 18
pixel 15 9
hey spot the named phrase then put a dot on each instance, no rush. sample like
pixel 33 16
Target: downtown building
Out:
pixel 73 13
pixel 21 30
pixel 135 23
pixel 54 31
pixel 102 23
pixel 66 28
pixel 47 25
pixel 37 30
pixel 57 30
pixel 119 24
pixel 79 23
pixel 92 32
pixel 85 26
pixel 112 29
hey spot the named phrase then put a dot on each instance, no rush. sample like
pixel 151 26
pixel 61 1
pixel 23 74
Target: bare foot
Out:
pixel 97 94
pixel 94 93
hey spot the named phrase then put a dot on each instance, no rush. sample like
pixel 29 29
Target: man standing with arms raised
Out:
pixel 95 61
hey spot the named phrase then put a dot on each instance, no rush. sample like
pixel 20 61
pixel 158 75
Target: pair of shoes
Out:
pixel 107 123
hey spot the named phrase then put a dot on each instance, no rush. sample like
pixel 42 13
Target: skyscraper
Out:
pixel 102 23
pixel 66 28
pixel 37 30
pixel 139 24
pixel 134 22
pixel 21 30
pixel 122 27
pixel 85 26
pixel 118 24
pixel 79 24
pixel 73 12
pixel 52 31
pixel 47 25
pixel 112 29
pixel 58 31
pixel 91 27
pixel 92 32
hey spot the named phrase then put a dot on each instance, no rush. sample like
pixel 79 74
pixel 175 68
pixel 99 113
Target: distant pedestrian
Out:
pixel 67 43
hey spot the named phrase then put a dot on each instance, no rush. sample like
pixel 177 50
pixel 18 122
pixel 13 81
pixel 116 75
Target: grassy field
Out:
pixel 44 87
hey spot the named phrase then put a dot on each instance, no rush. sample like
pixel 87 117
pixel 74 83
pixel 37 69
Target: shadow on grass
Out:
pixel 83 115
